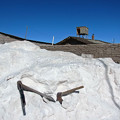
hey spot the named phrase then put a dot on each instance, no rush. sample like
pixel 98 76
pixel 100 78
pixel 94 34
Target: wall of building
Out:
pixel 98 50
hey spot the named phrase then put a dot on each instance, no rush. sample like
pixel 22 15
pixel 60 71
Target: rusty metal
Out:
pixel 93 37
pixel 60 94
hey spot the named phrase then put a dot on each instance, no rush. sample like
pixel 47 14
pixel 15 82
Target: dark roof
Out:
pixel 82 40
pixel 12 36
pixel 19 38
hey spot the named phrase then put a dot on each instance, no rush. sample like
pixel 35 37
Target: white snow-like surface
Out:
pixel 54 71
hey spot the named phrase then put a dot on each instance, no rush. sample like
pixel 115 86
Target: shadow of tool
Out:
pixel 109 84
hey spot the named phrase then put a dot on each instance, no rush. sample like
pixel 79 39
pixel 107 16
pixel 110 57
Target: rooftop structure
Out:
pixel 82 31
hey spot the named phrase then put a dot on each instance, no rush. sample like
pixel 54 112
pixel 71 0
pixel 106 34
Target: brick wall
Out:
pixel 98 50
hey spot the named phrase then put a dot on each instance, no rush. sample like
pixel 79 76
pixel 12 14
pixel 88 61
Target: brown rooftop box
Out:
pixel 82 30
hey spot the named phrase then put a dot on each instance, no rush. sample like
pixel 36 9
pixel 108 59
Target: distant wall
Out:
pixel 98 50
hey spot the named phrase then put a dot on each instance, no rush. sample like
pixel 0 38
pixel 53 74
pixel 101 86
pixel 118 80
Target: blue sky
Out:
pixel 59 18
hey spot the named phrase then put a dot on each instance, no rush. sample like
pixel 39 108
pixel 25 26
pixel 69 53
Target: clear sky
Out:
pixel 59 18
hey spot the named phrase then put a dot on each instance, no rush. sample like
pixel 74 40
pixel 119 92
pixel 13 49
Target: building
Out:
pixel 82 32
pixel 76 45
pixel 6 38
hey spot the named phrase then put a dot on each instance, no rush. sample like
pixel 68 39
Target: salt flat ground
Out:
pixel 55 71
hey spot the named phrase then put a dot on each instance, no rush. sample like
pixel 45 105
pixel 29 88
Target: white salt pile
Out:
pixel 51 72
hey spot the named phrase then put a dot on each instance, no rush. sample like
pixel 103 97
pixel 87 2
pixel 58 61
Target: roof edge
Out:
pixel 16 37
